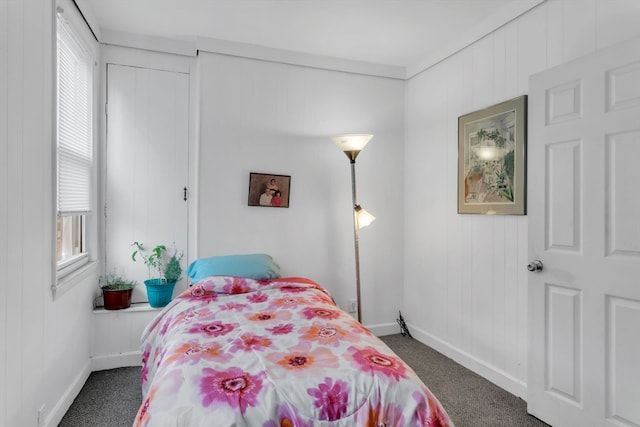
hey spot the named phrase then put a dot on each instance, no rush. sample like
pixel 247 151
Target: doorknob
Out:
pixel 535 265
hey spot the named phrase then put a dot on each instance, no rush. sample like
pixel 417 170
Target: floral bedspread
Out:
pixel 240 352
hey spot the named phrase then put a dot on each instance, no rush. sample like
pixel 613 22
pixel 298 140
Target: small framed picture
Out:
pixel 268 190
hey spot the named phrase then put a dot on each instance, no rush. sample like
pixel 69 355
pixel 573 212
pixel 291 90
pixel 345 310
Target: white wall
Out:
pixel 260 116
pixel 465 275
pixel 44 343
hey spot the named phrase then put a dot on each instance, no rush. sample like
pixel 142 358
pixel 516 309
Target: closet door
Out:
pixel 146 167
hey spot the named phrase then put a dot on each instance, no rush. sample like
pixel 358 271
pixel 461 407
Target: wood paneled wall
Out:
pixel 465 275
pixel 25 172
pixel 274 118
pixel 44 343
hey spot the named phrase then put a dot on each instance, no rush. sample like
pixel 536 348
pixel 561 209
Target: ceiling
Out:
pixel 401 33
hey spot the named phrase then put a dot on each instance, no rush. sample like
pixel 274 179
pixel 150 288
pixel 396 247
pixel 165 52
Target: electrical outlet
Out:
pixel 353 306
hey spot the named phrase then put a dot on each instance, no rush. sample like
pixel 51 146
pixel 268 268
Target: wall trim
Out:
pixel 384 329
pixel 91 365
pixel 112 361
pixel 485 370
pixel 250 51
pixel 190 46
pixel 134 358
pixel 62 406
pixel 152 43
pixel 245 50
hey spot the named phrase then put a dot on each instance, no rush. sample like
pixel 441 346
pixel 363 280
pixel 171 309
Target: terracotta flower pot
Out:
pixel 116 299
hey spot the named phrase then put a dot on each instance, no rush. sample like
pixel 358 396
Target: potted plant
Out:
pixel 116 291
pixel 167 270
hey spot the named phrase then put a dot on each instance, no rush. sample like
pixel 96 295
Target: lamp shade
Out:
pixel 364 217
pixel 352 144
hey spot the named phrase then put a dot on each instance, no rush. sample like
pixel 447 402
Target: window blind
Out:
pixel 75 136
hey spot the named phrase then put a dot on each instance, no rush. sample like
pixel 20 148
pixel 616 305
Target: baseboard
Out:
pixel 384 329
pixel 134 358
pixel 490 373
pixel 55 416
pixel 112 361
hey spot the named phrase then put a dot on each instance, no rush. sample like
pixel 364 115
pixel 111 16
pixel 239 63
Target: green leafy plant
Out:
pixel 114 282
pixel 167 267
pixel 173 269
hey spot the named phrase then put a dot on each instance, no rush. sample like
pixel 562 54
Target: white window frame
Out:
pixel 69 17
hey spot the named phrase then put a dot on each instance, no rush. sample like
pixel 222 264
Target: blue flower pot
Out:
pixel 159 292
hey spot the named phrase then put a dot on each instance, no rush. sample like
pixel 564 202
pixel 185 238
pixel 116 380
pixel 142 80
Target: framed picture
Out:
pixel 492 150
pixel 269 190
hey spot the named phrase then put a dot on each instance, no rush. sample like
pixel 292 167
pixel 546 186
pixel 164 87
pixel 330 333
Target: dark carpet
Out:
pixel 111 398
pixel 470 400
pixel 108 399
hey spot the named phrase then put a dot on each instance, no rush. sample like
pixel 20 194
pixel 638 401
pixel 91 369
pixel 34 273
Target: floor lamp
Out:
pixel 351 145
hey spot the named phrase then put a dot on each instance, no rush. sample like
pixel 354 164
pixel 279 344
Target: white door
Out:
pixel 584 226
pixel 146 166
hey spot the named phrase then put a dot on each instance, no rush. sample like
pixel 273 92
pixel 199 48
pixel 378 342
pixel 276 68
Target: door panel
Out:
pixel 564 201
pixel 564 314
pixel 584 205
pixel 622 360
pixel 146 166
pixel 622 177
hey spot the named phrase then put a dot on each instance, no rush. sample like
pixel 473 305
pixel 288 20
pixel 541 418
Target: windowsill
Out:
pixel 72 264
pixel 64 284
pixel 135 307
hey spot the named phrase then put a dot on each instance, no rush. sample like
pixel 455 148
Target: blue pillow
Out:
pixel 253 266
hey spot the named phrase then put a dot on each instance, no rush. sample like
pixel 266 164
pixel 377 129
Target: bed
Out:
pixel 238 351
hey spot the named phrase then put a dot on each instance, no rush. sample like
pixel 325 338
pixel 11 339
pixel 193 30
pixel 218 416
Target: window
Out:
pixel 74 153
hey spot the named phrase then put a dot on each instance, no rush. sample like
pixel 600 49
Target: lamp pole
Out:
pixel 356 237
pixel 351 145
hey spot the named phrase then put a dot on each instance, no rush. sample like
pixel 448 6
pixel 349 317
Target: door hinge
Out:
pixel 185 194
pixel 105 211
pixel 106 109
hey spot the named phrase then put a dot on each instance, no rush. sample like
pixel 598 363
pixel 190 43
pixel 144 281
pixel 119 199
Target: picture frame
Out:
pixel 492 159
pixel 269 190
